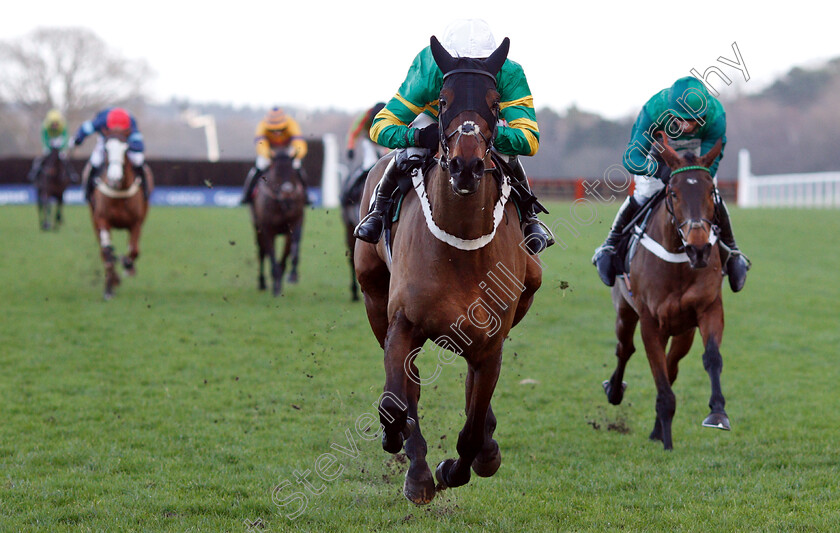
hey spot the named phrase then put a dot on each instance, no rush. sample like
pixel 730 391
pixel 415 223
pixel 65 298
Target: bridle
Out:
pixel 469 127
pixel 691 222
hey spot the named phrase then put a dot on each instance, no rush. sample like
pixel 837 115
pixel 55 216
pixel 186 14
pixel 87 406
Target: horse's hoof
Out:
pixel 608 389
pixel 392 444
pixel 440 475
pixel 276 291
pixel 419 491
pixel 717 421
pixel 488 468
pixel 293 278
pixel 108 296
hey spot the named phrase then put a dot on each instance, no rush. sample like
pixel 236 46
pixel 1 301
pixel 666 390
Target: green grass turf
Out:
pixel 182 403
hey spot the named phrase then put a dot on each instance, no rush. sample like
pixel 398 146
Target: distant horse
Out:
pixel 458 275
pixel 278 209
pixel 351 197
pixel 118 202
pixel 50 183
pixel 674 287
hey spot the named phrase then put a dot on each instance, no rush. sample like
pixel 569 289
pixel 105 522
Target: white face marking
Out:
pixel 116 152
pixel 692 181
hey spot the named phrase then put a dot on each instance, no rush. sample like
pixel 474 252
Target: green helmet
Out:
pixel 688 98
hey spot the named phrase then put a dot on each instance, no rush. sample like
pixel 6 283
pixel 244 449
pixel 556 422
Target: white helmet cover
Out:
pixel 469 38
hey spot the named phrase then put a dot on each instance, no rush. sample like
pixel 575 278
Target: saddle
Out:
pixel 626 248
pixel 353 188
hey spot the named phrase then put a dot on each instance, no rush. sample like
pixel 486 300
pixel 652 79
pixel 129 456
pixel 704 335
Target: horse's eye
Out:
pixel 442 103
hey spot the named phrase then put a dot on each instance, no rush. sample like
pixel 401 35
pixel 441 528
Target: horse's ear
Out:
pixel 709 158
pixel 668 154
pixel 497 58
pixel 444 61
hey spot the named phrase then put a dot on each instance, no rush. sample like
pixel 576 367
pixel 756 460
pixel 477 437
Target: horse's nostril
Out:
pixel 478 169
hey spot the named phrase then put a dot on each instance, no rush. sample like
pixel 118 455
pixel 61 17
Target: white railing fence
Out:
pixel 813 189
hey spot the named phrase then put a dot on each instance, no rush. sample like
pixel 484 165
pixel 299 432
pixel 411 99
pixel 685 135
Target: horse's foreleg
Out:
pixel 680 346
pixel 351 242
pixel 278 266
pixel 260 263
pixel 489 459
pixel 43 211
pixel 295 237
pixel 401 341
pixel 666 402
pixel 625 327
pixel 374 279
pixel 354 287
pixel 472 438
pixel 419 485
pixel 711 328
pixel 58 208
pixel 106 250
pixel 133 250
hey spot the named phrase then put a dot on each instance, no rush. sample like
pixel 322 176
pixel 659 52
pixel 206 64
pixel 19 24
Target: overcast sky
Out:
pixel 606 57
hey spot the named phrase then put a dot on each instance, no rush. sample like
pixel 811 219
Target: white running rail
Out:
pixel 813 189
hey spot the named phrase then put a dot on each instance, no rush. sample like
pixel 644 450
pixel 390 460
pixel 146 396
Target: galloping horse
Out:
pixel 674 287
pixel 118 202
pixel 351 197
pixel 50 183
pixel 456 274
pixel 278 209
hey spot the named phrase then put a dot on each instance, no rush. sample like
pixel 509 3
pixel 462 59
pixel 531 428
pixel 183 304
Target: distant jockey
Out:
pixel 694 121
pixel 53 135
pixel 277 131
pixel 112 121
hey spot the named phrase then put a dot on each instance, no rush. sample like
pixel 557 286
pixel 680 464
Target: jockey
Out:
pixel 409 124
pixel 694 121
pixel 53 135
pixel 277 131
pixel 113 120
pixel 360 131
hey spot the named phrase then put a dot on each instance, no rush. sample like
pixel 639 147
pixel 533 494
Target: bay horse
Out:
pixel 350 200
pixel 453 238
pixel 50 183
pixel 277 209
pixel 118 202
pixel 674 288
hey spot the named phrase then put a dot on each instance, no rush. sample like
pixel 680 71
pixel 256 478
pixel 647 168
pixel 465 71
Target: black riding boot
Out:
pixel 738 264
pixel 35 170
pixel 604 258
pixel 90 183
pixel 301 176
pixel 140 172
pixel 537 238
pixel 71 172
pixel 250 182
pixel 370 228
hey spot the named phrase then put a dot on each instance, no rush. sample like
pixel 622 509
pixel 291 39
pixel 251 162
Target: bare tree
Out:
pixel 70 69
